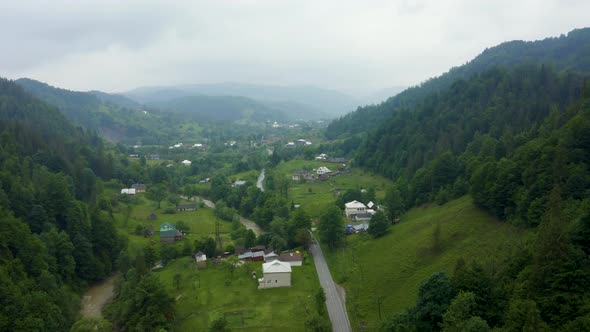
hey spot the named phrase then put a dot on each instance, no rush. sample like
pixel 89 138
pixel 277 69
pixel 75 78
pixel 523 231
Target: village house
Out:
pixel 252 256
pixel 360 228
pixel 353 208
pixel 169 233
pixel 127 191
pixel 275 274
pixel 186 162
pixel 238 183
pixel 186 207
pixel 292 258
pixel 322 170
pixel 322 156
pixel 139 187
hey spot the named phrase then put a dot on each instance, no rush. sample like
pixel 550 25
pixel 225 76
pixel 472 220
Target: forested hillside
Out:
pixel 501 123
pixel 53 239
pixel 115 118
pixel 568 53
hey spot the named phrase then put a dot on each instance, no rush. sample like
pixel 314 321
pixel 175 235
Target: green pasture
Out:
pixel 315 196
pixel 136 212
pixel 207 294
pixel 390 269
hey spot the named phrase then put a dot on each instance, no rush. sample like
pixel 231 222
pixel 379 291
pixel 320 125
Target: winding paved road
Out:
pixel 336 304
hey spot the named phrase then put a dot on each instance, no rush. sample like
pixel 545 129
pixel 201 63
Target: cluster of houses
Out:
pixel 359 215
pixel 135 189
pixel 276 268
pixel 325 157
pixel 321 173
pixel 299 142
pixel 199 146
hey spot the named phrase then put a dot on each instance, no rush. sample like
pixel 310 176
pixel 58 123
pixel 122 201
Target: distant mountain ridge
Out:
pixel 298 101
pixel 220 108
pixel 569 52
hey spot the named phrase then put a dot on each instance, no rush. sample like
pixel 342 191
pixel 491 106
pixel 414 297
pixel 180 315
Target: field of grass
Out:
pixel 201 221
pixel 393 267
pixel 205 295
pixel 313 197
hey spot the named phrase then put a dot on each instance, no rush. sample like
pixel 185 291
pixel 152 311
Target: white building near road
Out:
pixel 354 207
pixel 276 274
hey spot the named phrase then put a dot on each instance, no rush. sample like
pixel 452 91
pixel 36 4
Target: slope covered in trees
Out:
pixel 53 239
pixel 567 53
pixel 497 134
pixel 115 117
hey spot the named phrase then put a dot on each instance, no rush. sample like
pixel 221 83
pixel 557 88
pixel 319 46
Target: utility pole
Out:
pixel 218 234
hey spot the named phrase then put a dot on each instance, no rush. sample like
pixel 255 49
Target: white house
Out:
pixel 354 207
pixel 186 162
pixel 323 170
pixel 276 274
pixel 322 156
pixel 200 259
pixel 128 191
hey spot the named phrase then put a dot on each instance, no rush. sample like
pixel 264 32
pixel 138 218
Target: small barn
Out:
pixel 201 260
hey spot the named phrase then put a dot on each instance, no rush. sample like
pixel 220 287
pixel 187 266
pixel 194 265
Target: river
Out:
pixel 249 224
pixel 260 180
pixel 97 296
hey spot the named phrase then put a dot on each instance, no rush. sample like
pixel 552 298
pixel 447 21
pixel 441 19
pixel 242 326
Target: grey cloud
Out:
pixel 357 46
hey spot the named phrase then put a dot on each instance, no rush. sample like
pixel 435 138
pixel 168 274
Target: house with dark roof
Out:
pixel 252 256
pixel 292 258
pixel 139 187
pixel 186 207
pixel 169 233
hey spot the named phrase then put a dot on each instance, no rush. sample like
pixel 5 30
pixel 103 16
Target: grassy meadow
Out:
pixel 313 197
pixel 201 221
pixel 207 294
pixel 392 268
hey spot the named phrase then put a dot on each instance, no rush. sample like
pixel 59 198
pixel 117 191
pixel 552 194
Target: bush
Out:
pixel 170 210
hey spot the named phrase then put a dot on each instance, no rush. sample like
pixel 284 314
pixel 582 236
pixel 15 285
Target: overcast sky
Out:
pixel 352 46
